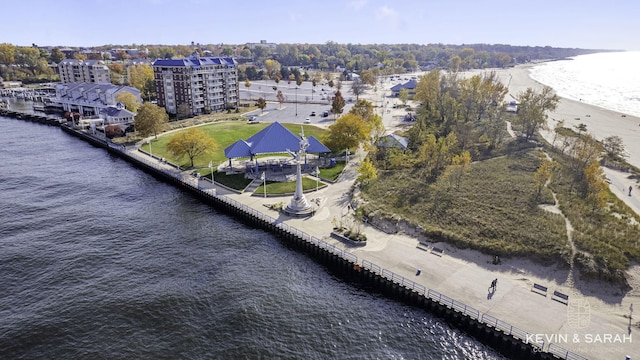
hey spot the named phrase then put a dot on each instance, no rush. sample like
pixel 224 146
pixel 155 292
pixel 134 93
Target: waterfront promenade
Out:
pixel 590 325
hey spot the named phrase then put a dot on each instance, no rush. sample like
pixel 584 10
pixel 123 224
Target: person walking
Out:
pixel 630 188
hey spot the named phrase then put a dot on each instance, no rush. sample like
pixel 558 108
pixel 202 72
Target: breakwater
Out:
pixel 42 119
pixel 504 337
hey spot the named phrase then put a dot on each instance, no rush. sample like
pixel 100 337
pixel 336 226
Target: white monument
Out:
pixel 299 206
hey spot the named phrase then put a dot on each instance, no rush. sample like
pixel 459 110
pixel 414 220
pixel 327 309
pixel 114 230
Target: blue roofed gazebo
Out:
pixel 275 138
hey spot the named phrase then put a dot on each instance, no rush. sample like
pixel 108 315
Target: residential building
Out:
pixel 86 71
pixel 203 84
pixel 409 85
pixel 90 99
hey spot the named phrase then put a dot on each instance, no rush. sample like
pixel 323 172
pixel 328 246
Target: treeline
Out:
pixel 33 63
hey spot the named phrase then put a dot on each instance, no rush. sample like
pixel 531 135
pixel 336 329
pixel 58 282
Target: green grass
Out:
pixel 288 187
pixel 332 173
pixel 234 181
pixel 225 134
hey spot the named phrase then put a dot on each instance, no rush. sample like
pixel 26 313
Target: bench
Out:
pixel 560 297
pixel 423 246
pixel 437 251
pixel 539 289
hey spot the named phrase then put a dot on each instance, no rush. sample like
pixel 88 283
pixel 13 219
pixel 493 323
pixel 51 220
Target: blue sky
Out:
pixel 589 24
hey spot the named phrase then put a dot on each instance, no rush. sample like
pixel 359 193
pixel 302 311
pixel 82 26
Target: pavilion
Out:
pixel 275 138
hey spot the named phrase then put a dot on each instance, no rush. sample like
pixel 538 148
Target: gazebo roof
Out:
pixel 272 139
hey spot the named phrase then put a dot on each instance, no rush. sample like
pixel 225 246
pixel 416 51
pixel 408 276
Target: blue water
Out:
pixel 100 260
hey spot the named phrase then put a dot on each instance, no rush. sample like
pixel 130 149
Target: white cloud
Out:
pixel 357 4
pixel 389 15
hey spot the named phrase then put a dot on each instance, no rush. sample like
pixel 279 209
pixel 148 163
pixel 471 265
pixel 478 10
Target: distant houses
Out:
pixel 409 85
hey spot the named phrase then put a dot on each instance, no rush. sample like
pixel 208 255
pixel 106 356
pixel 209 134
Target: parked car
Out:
pixel 307 120
pixel 313 113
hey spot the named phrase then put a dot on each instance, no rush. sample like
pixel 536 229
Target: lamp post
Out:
pixel 296 101
pixel 264 184
pixel 211 169
pixel 317 173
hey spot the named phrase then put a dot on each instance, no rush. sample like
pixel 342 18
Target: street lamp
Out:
pixel 296 101
pixel 264 183
pixel 211 169
pixel 317 174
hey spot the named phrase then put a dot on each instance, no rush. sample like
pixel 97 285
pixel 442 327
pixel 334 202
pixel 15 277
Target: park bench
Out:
pixel 437 251
pixel 539 289
pixel 423 246
pixel 560 297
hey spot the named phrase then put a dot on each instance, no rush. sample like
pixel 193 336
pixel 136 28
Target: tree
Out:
pixel 458 169
pixel 347 132
pixel 129 101
pixel 280 97
pixel 7 54
pixel 139 74
pixel 404 96
pixel 367 77
pixel 533 108
pixel 543 175
pixel 183 111
pixel 191 143
pixel 367 172
pixel 358 88
pixel 272 67
pixel 595 185
pixel 262 103
pixel 57 55
pixel 151 119
pixel 337 106
pixel 247 84
pixel 613 148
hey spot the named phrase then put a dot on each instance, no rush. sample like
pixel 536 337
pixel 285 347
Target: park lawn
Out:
pixel 276 187
pixel 332 173
pixel 224 134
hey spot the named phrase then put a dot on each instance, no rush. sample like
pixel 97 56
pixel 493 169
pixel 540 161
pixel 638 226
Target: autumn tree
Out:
pixel 347 132
pixel 280 98
pixel 364 108
pixel 532 109
pixel 272 68
pixel 138 75
pixel 247 84
pixel 403 95
pixel 459 168
pixel 57 55
pixel 129 101
pixel 367 172
pixel 151 119
pixel 262 103
pixel 367 77
pixel 337 106
pixel 613 148
pixel 183 111
pixel 435 154
pixel 191 143
pixel 595 189
pixel 543 175
pixel 358 88
pixel 7 54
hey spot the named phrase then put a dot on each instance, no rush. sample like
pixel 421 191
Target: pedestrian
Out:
pixel 418 272
pixel 630 188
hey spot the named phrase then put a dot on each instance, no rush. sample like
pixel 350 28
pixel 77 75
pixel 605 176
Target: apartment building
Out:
pixel 86 71
pixel 204 84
